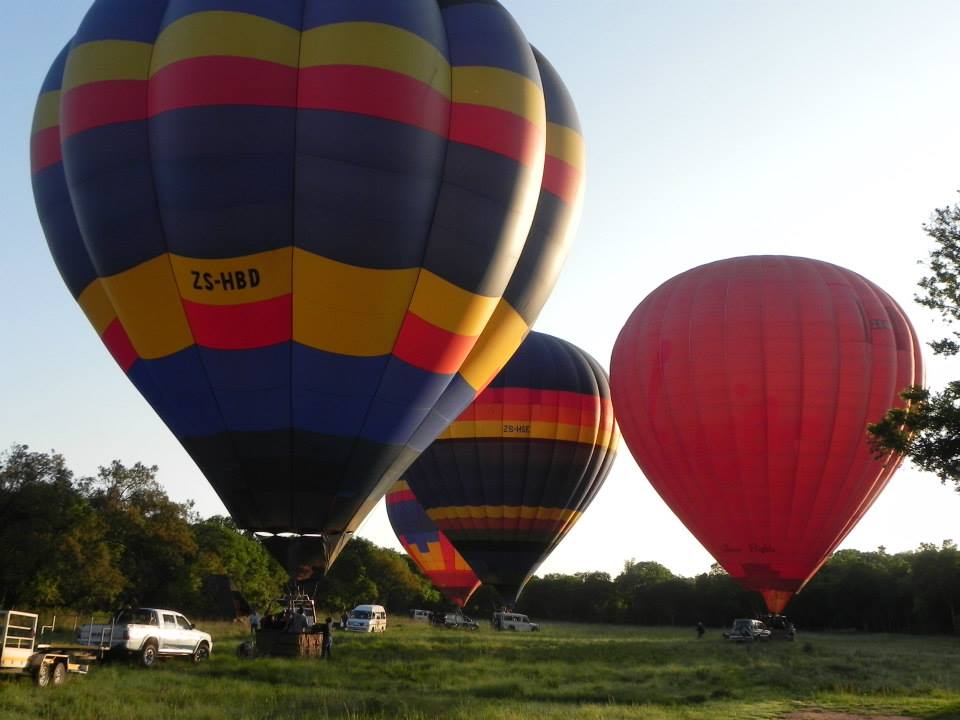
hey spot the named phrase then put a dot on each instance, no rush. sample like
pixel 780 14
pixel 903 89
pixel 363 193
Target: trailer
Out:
pixel 22 656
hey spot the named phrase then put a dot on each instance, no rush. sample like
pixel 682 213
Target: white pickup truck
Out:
pixel 148 634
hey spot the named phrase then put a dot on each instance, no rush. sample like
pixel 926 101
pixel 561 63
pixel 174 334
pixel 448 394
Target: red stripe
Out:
pixel 496 130
pixel 45 149
pixel 561 178
pixel 535 396
pixel 119 345
pixel 586 417
pixel 102 103
pixel 377 92
pixel 400 496
pixel 206 81
pixel 241 327
pixel 431 348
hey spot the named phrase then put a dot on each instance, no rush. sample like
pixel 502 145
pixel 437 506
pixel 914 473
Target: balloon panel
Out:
pixel 744 387
pixel 428 547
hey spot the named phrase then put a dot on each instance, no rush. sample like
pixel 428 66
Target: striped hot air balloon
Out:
pixel 510 477
pixel 428 547
pixel 309 231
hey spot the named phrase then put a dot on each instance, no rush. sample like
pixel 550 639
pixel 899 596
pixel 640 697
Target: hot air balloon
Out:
pixel 743 389
pixel 508 479
pixel 305 230
pixel 428 547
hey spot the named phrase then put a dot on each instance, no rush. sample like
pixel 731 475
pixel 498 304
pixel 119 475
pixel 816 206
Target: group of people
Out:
pixel 295 622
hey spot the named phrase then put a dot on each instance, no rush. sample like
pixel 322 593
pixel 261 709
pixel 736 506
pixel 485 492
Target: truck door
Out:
pixel 170 640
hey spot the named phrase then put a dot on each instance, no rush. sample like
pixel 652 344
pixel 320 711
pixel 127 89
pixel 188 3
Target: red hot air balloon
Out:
pixel 309 231
pixel 428 547
pixel 743 388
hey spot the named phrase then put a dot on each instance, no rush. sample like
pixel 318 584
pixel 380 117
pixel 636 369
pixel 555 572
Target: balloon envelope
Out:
pixel 510 477
pixel 428 547
pixel 743 389
pixel 292 223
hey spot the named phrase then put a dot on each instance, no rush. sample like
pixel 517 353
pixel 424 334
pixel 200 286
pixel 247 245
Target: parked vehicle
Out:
pixel 744 630
pixel 423 615
pixel 459 621
pixel 780 627
pixel 513 621
pixel 20 655
pixel 148 634
pixel 367 618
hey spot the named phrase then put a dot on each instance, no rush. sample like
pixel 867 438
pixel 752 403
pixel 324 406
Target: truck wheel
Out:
pixel 59 674
pixel 202 652
pixel 42 676
pixel 148 656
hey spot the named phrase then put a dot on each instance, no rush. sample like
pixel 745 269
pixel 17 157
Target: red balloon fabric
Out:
pixel 743 388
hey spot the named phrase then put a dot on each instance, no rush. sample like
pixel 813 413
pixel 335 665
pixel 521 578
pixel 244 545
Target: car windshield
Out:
pixel 742 625
pixel 361 615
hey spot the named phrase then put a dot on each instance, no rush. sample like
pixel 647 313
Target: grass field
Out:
pixel 565 671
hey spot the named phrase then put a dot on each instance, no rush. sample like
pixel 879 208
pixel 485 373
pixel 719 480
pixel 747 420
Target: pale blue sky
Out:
pixel 714 129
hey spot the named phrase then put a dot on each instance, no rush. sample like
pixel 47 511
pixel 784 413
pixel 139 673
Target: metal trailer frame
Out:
pixel 21 655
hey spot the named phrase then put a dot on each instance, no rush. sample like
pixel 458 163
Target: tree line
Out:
pixel 97 543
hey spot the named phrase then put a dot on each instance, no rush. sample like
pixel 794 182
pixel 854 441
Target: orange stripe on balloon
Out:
pixel 430 348
pixel 206 81
pixel 376 92
pixel 241 327
pixel 119 345
pixel 561 179
pixel 496 130
pixel 45 149
pixel 103 103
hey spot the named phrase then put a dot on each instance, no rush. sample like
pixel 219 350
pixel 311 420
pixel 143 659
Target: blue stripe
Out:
pixel 285 12
pixel 111 183
pixel 178 390
pixel 486 35
pixel 122 20
pixel 252 387
pixel 405 397
pixel 420 17
pixel 366 188
pixel 60 228
pixel 224 179
pixel 456 397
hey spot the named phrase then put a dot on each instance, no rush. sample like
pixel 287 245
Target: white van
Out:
pixel 513 621
pixel 367 618
pixel 423 615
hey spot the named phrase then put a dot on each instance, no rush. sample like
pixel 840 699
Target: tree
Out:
pixel 928 429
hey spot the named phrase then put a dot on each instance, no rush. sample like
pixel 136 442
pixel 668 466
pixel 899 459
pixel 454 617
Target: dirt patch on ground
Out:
pixel 826 715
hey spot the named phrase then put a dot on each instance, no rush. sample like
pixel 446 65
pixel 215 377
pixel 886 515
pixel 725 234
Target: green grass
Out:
pixel 414 671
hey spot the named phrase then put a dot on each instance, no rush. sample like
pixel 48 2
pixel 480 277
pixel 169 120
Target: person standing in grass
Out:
pixel 700 629
pixel 327 639
pixel 254 622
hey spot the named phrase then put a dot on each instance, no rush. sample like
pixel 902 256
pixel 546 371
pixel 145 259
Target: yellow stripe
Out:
pixel 97 306
pixel 497 344
pixel 148 304
pixel 106 60
pixel 450 307
pixel 430 560
pixel 502 89
pixel 347 309
pixel 480 512
pixel 263 276
pixel 567 145
pixel 377 45
pixel 459 563
pixel 520 430
pixel 221 33
pixel 399 486
pixel 47 113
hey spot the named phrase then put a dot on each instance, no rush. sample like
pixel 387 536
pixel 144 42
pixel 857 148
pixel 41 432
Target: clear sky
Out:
pixel 714 129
